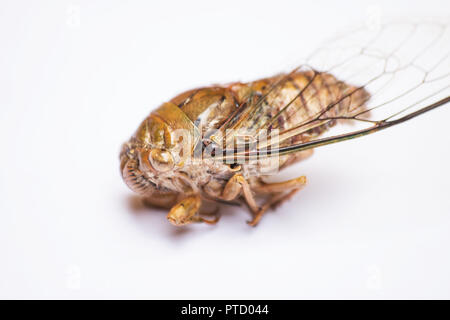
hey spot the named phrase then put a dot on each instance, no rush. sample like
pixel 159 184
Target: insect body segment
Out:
pixel 170 153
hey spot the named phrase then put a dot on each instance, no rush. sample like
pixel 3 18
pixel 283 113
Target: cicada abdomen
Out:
pixel 214 143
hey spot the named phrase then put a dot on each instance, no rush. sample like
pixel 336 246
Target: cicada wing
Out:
pixel 403 66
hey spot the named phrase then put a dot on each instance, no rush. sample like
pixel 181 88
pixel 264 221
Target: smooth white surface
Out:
pixel 78 77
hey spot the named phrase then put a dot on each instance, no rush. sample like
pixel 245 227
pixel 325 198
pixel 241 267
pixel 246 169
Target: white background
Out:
pixel 77 78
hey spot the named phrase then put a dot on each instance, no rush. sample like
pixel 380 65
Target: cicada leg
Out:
pixel 275 187
pixel 233 189
pixel 186 211
pixel 282 191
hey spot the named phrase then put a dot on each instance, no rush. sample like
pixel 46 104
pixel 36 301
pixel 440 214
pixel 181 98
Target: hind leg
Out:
pixel 281 191
pixel 275 187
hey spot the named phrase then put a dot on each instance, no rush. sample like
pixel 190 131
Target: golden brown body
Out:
pixel 174 172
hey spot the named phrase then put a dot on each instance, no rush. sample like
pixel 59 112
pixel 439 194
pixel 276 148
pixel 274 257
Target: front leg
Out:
pixel 186 211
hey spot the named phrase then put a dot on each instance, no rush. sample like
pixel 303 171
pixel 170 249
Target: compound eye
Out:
pixel 161 160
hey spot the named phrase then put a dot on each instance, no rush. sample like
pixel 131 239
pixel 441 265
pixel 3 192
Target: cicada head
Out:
pixel 163 143
pixel 154 138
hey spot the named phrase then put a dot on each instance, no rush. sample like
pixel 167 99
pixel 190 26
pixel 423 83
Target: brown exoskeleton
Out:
pixel 152 164
pixel 207 143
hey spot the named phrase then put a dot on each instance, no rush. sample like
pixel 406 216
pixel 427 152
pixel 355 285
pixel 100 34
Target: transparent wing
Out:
pixel 404 66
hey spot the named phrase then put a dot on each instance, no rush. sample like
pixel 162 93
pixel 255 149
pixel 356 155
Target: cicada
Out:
pixel 218 143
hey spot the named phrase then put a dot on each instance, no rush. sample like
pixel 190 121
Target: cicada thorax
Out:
pixel 208 108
